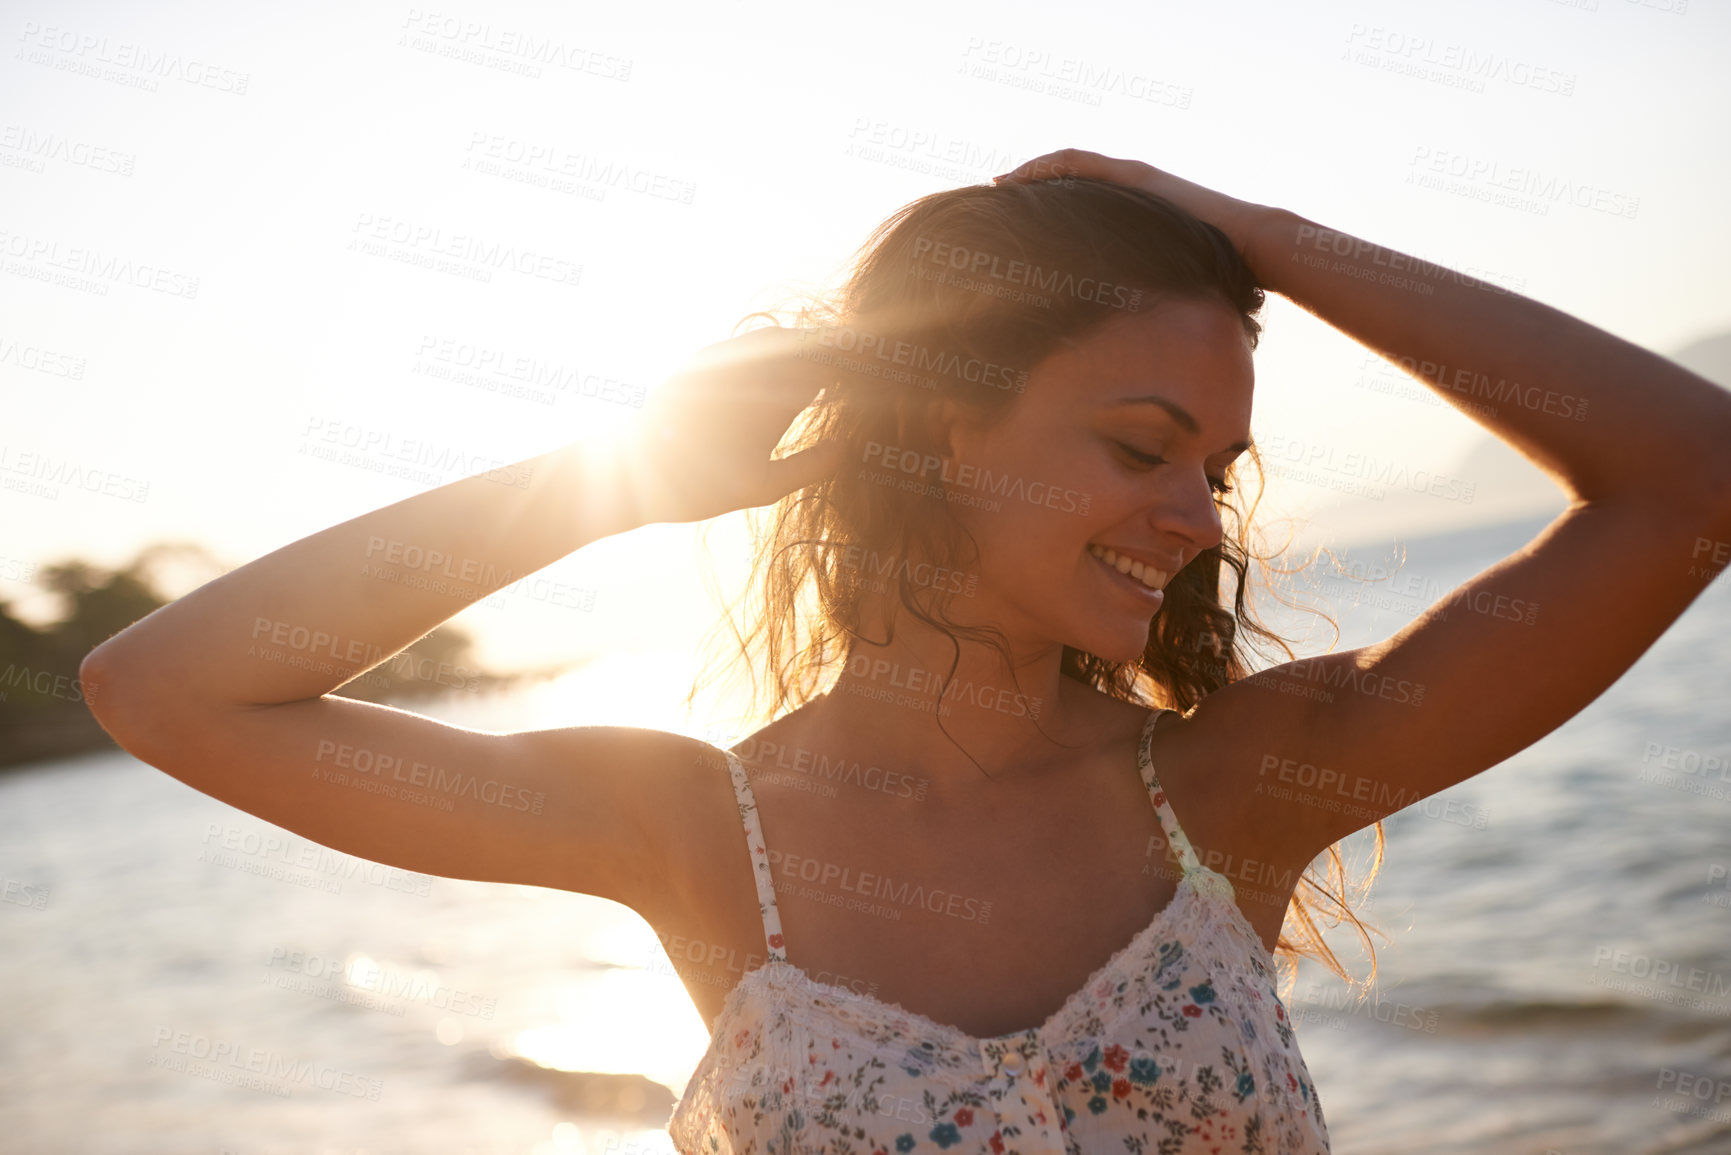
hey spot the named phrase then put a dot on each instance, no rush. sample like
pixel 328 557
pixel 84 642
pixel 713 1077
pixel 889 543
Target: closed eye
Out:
pixel 1218 484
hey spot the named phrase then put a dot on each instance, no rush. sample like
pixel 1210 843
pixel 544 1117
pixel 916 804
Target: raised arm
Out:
pixel 1641 446
pixel 228 688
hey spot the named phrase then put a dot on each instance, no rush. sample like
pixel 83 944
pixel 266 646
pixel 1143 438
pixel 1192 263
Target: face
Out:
pixel 1116 443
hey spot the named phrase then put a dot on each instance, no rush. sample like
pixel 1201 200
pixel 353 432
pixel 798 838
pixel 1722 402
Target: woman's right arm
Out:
pixel 228 688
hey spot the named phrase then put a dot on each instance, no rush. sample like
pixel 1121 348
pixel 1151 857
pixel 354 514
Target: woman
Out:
pixel 1010 504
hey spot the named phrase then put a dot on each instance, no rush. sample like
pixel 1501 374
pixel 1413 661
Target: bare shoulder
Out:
pixel 1225 745
pixel 680 802
pixel 1214 762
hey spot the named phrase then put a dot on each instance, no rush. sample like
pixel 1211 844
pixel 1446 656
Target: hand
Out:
pixel 703 444
pixel 1239 220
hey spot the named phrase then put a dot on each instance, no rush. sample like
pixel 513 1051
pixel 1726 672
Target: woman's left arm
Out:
pixel 1608 420
pixel 1641 445
pixel 1630 420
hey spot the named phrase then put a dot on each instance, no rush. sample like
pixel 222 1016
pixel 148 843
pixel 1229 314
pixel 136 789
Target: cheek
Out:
pixel 1032 501
pixel 1032 550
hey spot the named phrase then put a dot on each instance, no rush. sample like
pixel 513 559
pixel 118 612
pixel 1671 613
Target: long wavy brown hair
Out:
pixel 956 297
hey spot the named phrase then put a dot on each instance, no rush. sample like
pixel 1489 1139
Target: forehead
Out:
pixel 1194 353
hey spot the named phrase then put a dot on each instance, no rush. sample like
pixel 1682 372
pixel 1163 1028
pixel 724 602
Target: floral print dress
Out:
pixel 1179 1044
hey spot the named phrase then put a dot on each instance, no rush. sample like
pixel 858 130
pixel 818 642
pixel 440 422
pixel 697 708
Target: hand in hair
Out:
pixel 1238 219
pixel 703 444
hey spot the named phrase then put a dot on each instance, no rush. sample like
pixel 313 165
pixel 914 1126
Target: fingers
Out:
pixel 1064 162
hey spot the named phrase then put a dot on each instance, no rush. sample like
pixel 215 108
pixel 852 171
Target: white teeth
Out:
pixel 1147 575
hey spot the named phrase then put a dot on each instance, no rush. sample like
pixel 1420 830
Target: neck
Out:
pixel 1015 721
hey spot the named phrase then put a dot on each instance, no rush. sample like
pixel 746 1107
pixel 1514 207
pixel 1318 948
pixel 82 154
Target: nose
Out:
pixel 1189 513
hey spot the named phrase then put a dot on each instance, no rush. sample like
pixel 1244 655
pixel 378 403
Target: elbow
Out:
pixel 93 680
pixel 108 696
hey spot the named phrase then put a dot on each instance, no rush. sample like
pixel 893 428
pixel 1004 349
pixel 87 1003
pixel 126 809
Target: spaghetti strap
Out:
pixel 1177 842
pixel 759 859
pixel 1175 837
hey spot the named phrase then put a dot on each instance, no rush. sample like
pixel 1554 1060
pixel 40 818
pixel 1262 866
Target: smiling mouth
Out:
pixel 1149 576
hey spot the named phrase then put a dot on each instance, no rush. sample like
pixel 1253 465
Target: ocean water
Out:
pixel 1559 976
pixel 181 977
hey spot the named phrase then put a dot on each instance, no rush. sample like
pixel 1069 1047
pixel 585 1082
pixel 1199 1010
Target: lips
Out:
pixel 1148 575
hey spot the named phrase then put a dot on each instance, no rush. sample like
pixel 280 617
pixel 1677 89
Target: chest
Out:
pixel 983 918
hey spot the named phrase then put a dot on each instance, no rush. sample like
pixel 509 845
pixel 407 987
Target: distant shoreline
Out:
pixel 72 731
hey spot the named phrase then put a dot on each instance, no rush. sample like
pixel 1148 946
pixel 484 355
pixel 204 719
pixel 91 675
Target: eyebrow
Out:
pixel 1181 415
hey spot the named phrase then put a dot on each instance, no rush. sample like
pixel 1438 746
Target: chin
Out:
pixel 1124 644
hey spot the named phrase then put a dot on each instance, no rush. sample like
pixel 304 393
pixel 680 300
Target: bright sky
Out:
pixel 264 151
